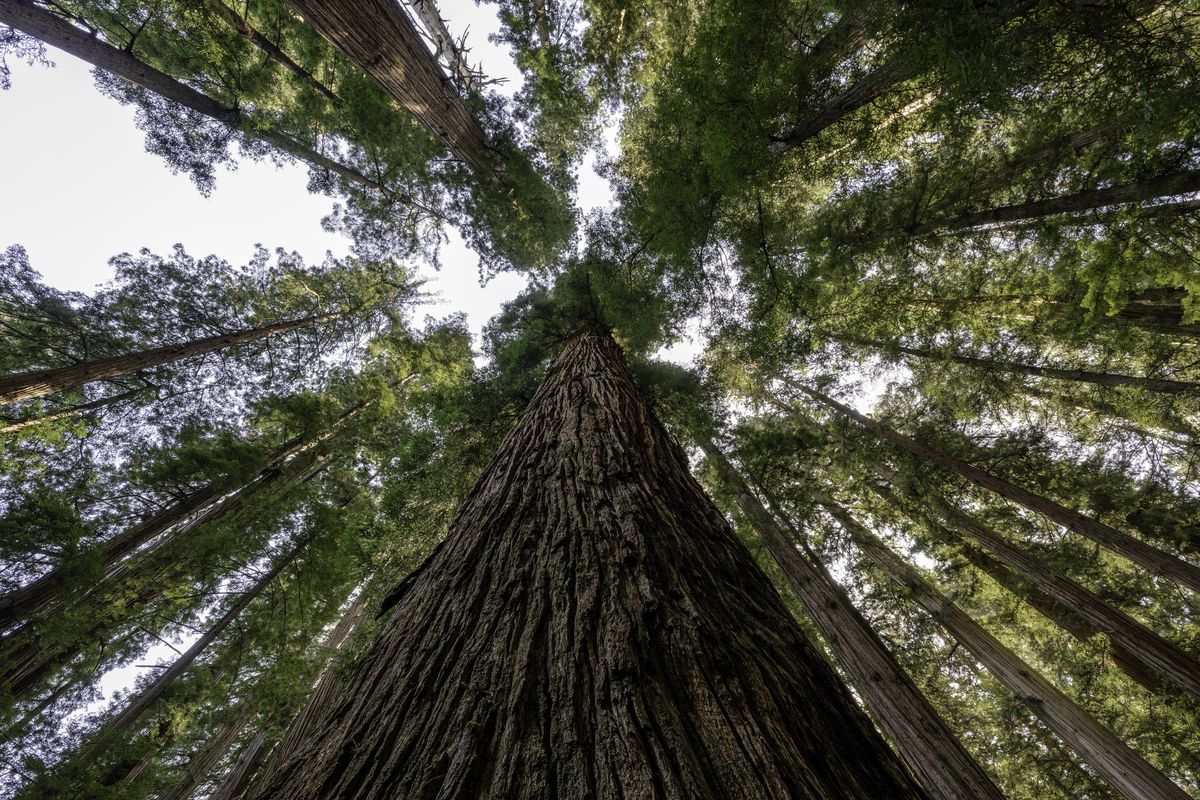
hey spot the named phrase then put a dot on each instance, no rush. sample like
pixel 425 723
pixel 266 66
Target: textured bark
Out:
pixel 25 16
pixel 36 383
pixel 591 627
pixel 1107 379
pixel 382 41
pixel 204 761
pixel 1156 561
pixel 1165 186
pixel 1112 759
pixel 929 748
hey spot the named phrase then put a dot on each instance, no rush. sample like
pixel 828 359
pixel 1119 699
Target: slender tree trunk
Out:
pixel 235 784
pixel 256 37
pixel 927 745
pixel 26 661
pixel 1106 379
pixel 1112 759
pixel 1165 186
pixel 12 426
pixel 52 591
pixel 1165 658
pixel 378 37
pixel 25 16
pixel 1064 602
pixel 146 697
pixel 36 383
pixel 870 87
pixel 326 688
pixel 202 764
pixel 1137 551
pixel 591 627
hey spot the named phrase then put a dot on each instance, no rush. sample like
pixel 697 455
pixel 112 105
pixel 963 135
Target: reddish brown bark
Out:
pixel 591 627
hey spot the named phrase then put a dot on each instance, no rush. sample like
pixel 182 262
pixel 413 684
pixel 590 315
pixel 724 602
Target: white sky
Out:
pixel 79 188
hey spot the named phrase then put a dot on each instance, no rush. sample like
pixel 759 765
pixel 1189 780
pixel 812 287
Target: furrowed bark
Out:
pixel 1126 771
pixel 590 627
pixel 36 383
pixel 1155 560
pixel 379 38
pixel 929 748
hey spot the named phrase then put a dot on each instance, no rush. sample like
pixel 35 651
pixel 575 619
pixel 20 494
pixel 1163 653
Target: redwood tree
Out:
pixel 590 628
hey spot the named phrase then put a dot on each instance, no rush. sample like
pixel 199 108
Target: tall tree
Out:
pixel 589 581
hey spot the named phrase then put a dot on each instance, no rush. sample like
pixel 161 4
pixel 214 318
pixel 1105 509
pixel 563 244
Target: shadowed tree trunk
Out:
pixel 927 745
pixel 1156 561
pixel 1165 186
pixel 235 784
pixel 591 627
pixel 198 768
pixel 379 38
pixel 27 659
pixel 25 16
pixel 13 425
pixel 205 504
pixel 1106 379
pixel 1056 597
pixel 1125 770
pixel 28 385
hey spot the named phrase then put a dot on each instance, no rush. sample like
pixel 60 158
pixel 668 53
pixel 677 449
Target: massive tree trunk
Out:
pixel 25 16
pixel 36 383
pixel 1165 186
pixel 590 628
pixel 927 745
pixel 1106 379
pixel 378 37
pixel 1137 551
pixel 1112 759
